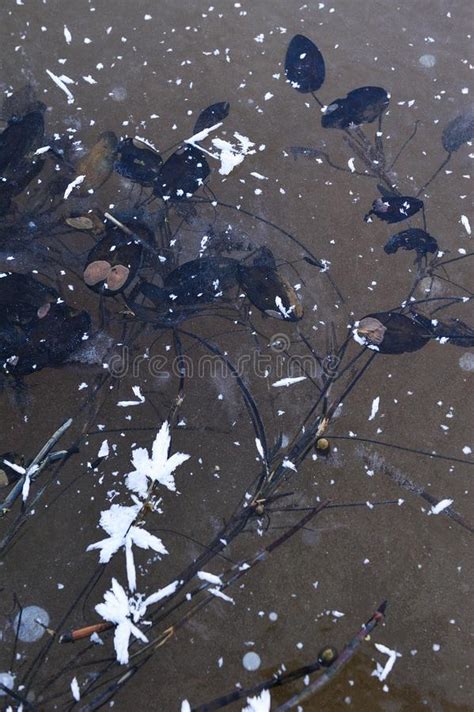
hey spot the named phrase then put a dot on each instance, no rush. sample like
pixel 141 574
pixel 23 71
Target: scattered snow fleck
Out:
pixel 77 181
pixel 104 449
pixel 466 224
pixel 375 408
pixel 61 83
pixel 383 672
pixel 444 504
pixel 211 578
pixel 219 594
pixel 137 392
pixel 288 381
pixel 75 689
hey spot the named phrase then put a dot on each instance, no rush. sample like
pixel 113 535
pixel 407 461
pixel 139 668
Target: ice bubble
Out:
pixel 251 661
pixel 29 630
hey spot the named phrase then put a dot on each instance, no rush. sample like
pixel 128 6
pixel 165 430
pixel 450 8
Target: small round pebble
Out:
pixel 251 661
pixel 28 629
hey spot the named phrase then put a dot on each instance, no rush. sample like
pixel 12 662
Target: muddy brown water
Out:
pixel 170 60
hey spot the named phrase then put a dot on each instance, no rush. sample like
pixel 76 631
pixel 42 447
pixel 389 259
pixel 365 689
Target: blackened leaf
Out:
pixel 394 209
pixel 412 239
pixel 270 292
pixel 50 341
pixel 214 114
pixel 360 106
pixel 19 138
pixel 182 174
pixel 304 65
pixel 458 131
pixel 201 281
pixel 137 161
pixel 21 102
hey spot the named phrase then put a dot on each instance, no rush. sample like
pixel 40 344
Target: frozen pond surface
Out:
pixel 235 270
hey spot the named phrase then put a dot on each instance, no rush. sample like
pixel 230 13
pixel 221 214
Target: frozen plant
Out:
pixel 118 522
pixel 157 468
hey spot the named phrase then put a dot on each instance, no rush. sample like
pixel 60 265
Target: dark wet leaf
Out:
pixel 270 292
pixel 137 161
pixel 50 341
pixel 98 164
pixel 114 261
pixel 361 106
pixel 392 333
pixel 394 209
pixel 458 131
pixel 214 114
pixel 201 281
pixel 264 257
pixel 22 297
pixel 36 328
pixel 304 65
pixel 20 138
pixel 21 102
pixel 412 239
pixel 182 174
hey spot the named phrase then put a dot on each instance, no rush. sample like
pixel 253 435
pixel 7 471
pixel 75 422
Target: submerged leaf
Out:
pixel 270 292
pixel 360 106
pixel 412 239
pixel 182 174
pixel 137 161
pixel 459 131
pixel 304 65
pixel 213 114
pixel 391 333
pixel 395 208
